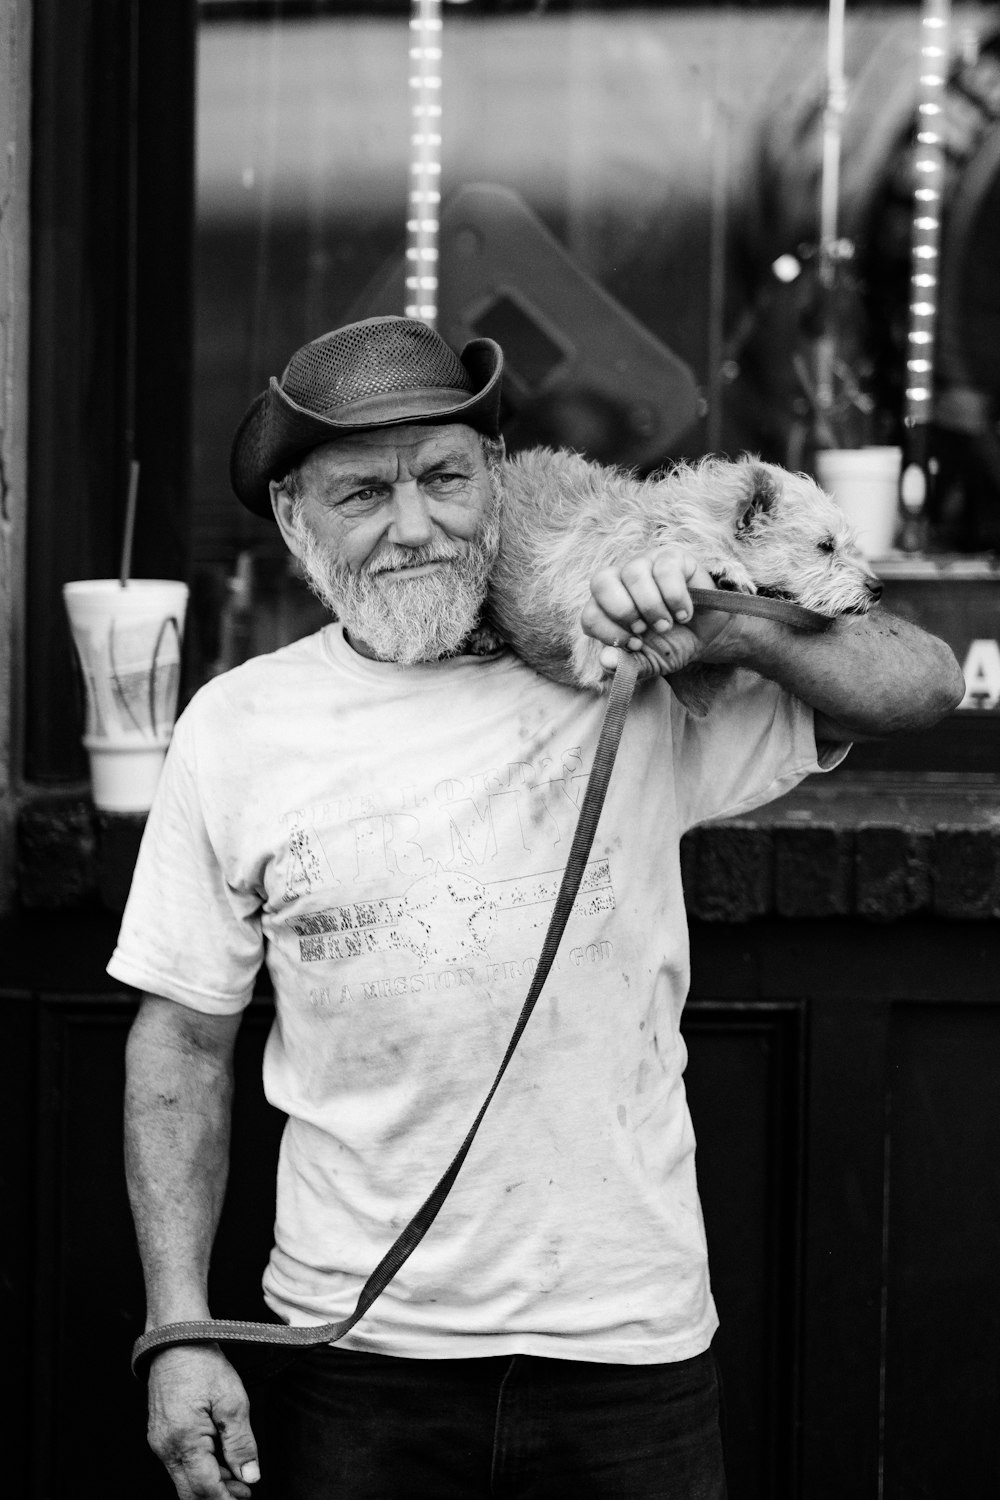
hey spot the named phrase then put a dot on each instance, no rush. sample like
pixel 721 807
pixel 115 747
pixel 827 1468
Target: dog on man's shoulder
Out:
pixel 755 527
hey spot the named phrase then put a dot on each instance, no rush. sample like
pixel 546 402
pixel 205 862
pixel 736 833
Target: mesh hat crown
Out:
pixel 382 372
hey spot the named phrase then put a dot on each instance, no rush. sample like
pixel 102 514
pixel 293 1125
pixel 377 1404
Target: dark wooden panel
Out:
pixel 915 958
pixel 842 1289
pixel 854 1357
pixel 17 1240
pixel 943 1254
pixel 744 1083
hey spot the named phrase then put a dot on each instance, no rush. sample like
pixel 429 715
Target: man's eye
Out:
pixel 445 478
pixel 367 496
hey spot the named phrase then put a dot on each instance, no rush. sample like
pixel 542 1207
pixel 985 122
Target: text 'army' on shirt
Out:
pixel 523 807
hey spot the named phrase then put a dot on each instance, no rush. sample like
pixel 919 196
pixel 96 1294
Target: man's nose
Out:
pixel 410 524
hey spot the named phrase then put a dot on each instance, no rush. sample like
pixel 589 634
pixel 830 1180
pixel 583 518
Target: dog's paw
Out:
pixel 735 580
pixel 482 640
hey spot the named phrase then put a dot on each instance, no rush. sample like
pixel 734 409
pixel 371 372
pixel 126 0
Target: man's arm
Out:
pixel 867 676
pixel 178 1096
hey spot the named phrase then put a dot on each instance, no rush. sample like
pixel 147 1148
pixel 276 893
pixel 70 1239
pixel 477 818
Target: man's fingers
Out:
pixel 195 1472
pixel 198 1475
pixel 650 590
pixel 235 1488
pixel 657 583
pixel 672 573
pixel 660 655
pixel 239 1448
pixel 650 664
pixel 601 626
pixel 671 653
pixel 615 602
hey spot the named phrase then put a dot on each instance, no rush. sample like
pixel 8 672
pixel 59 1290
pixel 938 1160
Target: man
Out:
pixel 382 815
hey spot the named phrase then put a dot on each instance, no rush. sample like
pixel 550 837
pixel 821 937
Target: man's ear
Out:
pixel 760 495
pixel 284 513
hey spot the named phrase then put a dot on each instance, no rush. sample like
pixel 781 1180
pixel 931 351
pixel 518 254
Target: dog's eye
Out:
pixel 828 546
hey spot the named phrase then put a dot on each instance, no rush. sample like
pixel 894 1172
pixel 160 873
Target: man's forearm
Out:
pixel 873 674
pixel 177 1122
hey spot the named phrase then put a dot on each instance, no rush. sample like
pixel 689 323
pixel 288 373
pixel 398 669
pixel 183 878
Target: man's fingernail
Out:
pixel 681 614
pixel 662 625
pixel 638 627
pixel 250 1472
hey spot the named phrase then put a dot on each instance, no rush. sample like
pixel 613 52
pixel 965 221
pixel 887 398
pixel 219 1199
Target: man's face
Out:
pixel 396 530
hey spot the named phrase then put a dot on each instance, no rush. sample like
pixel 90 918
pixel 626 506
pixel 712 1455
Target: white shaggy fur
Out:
pixel 755 527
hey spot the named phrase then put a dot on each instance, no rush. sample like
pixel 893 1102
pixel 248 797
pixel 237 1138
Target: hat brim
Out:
pixel 276 432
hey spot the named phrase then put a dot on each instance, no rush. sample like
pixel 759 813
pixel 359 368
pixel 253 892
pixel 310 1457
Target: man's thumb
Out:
pixel 240 1452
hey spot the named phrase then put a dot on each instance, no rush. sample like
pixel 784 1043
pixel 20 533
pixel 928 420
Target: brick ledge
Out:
pixel 877 849
pixel 70 857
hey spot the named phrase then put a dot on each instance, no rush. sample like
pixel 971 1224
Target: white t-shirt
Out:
pixel 390 841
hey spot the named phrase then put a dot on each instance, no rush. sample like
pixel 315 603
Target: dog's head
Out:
pixel 795 541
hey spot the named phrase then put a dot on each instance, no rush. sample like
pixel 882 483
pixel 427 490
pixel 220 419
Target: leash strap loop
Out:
pixel 764 608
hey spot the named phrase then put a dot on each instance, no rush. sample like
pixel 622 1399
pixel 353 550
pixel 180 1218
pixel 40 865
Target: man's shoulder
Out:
pixel 259 679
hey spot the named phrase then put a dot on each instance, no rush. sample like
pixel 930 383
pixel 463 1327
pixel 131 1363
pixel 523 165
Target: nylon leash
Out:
pixel 764 608
pixel 630 667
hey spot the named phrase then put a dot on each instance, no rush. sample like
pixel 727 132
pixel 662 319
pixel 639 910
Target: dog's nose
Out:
pixel 874 587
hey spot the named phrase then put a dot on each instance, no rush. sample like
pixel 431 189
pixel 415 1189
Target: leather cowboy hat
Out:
pixel 381 372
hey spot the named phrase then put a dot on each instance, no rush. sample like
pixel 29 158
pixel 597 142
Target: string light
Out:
pixel 422 225
pixel 929 166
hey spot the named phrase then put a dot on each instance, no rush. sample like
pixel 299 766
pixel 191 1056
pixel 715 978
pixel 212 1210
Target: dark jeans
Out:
pixel 337 1425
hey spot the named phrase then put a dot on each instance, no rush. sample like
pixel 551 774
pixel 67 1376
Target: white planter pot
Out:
pixel 865 484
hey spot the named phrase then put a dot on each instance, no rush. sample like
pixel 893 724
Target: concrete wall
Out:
pixel 15 76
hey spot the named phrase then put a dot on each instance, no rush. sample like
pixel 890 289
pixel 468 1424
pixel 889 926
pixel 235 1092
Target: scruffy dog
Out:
pixel 755 527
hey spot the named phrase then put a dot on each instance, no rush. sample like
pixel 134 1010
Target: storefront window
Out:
pixel 630 201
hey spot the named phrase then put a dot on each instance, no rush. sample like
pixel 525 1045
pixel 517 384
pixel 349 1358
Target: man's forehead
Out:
pixel 389 444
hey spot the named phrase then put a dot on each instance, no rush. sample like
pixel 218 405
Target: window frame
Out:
pixel 112 225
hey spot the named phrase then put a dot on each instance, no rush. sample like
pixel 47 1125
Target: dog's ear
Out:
pixel 760 495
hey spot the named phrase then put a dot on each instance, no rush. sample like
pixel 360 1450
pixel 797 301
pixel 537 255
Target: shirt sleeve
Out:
pixel 186 933
pixel 756 742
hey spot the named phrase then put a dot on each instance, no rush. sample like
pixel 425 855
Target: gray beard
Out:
pixel 398 619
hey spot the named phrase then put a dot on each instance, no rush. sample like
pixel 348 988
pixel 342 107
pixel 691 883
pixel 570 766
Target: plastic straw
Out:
pixel 829 249
pixel 133 492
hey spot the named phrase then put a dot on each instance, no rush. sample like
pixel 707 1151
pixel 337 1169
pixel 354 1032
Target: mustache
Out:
pixel 396 559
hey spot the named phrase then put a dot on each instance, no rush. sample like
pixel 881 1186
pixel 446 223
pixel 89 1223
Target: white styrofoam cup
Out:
pixel 128 640
pixel 865 484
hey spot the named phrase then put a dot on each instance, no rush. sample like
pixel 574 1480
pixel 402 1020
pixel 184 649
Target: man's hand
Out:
pixel 867 675
pixel 199 1424
pixel 644 605
pixel 178 1095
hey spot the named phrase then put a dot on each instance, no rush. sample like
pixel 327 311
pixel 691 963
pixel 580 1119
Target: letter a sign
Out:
pixel 982 675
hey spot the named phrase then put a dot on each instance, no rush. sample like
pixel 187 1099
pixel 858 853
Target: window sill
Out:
pixel 879 846
pixel 70 856
pixel 882 846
